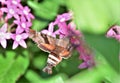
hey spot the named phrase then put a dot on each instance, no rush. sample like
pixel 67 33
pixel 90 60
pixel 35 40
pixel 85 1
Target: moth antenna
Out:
pixel 48 69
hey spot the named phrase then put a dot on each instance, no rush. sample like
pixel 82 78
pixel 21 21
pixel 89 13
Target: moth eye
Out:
pixel 48 46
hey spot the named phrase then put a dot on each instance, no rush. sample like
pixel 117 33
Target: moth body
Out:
pixel 57 48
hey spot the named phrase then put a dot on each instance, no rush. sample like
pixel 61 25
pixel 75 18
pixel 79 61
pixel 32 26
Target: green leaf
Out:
pixel 67 66
pixel 42 12
pixel 44 9
pixel 39 60
pixel 95 16
pixel 102 71
pixel 108 47
pixel 35 78
pixel 39 24
pixel 12 65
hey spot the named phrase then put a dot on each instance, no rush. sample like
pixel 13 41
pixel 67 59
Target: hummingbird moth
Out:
pixel 57 48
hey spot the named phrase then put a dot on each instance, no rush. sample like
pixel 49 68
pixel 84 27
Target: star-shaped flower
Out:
pixel 26 12
pixel 19 40
pixel 11 11
pixel 14 2
pixel 63 18
pixel 23 25
pixel 50 30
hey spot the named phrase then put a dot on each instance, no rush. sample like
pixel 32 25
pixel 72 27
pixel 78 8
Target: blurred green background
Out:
pixel 93 18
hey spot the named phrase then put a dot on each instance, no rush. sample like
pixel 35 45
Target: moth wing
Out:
pixel 66 53
pixel 48 44
pixel 63 42
pixel 46 47
pixel 65 47
pixel 36 36
pixel 43 41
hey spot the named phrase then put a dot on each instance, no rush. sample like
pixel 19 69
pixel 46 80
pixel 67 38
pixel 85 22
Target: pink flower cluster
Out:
pixel 16 21
pixel 114 32
pixel 75 36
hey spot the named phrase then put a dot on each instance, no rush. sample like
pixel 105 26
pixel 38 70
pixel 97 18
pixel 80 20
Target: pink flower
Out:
pixel 19 40
pixel 11 11
pixel 2 1
pixel 114 32
pixel 88 61
pixel 14 14
pixel 50 30
pixel 63 18
pixel 26 12
pixel 23 25
pixel 4 35
pixel 14 2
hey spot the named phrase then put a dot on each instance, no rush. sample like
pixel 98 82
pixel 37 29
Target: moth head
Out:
pixel 31 33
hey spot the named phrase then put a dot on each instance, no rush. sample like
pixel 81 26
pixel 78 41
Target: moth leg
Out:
pixel 52 61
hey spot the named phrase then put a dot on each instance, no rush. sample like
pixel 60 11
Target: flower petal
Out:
pixel 19 29
pixel 24 35
pixel 4 9
pixel 15 45
pixel 44 31
pixel 4 28
pixel 51 27
pixel 23 19
pixel 83 65
pixel 31 16
pixel 17 22
pixel 3 43
pixel 8 35
pixel 110 33
pixel 29 24
pixel 16 16
pixel 23 44
pixel 8 16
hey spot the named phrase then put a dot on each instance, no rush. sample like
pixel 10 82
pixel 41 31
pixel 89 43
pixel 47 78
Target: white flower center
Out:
pixel 25 12
pixel 18 37
pixel 14 2
pixel 11 11
pixel 23 25
pixel 62 20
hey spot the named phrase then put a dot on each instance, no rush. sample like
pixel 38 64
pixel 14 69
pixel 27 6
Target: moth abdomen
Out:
pixel 54 59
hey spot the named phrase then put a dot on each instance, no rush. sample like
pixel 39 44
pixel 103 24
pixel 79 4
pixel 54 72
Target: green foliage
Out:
pixel 13 65
pixel 95 16
pixel 109 48
pixel 44 12
pixel 97 74
pixel 34 78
